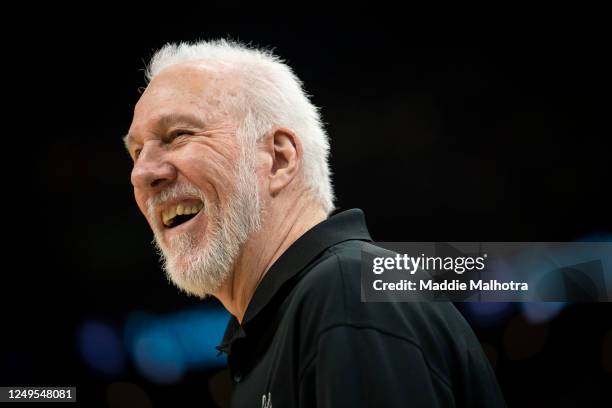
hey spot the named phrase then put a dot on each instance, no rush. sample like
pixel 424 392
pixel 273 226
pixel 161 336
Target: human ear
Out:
pixel 285 151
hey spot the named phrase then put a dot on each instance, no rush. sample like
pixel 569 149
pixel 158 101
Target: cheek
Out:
pixel 141 201
pixel 262 175
pixel 213 171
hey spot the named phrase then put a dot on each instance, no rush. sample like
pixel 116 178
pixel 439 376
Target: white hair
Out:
pixel 198 270
pixel 269 94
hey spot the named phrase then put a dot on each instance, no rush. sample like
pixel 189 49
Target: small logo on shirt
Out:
pixel 266 400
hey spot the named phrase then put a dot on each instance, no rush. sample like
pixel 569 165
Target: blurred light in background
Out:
pixel 158 356
pixel 164 348
pixel 101 347
pixel 600 236
pixel 487 313
pixel 540 312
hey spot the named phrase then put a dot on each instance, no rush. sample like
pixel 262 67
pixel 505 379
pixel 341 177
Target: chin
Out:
pixel 186 282
pixel 187 287
pixel 195 273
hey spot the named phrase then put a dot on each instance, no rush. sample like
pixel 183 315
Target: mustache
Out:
pixel 173 192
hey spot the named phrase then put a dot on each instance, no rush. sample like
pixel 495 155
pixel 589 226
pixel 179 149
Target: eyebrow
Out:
pixel 168 120
pixel 126 141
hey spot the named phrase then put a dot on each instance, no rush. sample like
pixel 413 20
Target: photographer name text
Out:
pixel 452 285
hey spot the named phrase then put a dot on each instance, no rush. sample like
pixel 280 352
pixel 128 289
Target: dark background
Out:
pixel 440 132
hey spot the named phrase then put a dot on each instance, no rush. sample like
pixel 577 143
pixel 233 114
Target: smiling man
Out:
pixel 230 170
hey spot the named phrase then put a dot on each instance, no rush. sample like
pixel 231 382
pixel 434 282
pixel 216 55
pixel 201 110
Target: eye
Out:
pixel 137 153
pixel 169 137
pixel 176 134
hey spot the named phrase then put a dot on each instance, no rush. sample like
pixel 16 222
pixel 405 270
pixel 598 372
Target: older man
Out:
pixel 230 170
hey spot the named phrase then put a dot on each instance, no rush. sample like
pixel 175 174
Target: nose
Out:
pixel 151 171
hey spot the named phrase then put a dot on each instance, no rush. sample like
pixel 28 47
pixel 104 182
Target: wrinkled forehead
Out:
pixel 188 87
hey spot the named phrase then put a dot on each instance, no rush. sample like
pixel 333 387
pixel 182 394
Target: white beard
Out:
pixel 201 269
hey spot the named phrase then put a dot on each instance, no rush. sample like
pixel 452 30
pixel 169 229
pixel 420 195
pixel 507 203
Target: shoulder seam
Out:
pixel 383 332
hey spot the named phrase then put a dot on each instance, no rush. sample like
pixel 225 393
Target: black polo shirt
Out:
pixel 307 340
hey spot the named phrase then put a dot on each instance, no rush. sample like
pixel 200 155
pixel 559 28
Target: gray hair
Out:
pixel 270 94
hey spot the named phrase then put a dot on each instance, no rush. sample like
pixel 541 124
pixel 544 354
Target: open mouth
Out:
pixel 180 213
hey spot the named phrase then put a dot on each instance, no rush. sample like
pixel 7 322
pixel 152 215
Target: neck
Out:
pixel 263 249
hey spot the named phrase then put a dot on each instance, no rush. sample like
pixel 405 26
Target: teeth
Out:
pixel 179 209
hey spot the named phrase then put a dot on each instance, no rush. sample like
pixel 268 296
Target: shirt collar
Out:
pixel 340 227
